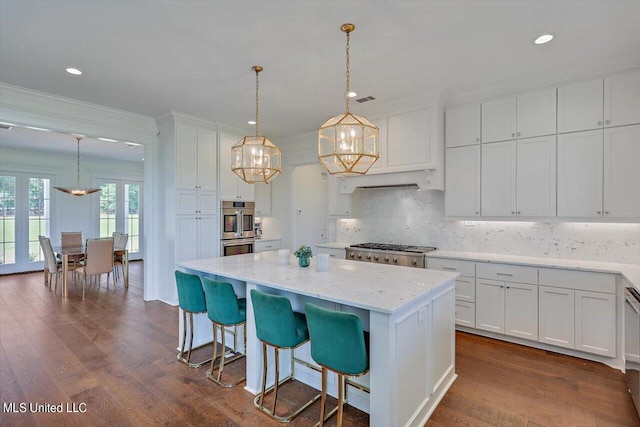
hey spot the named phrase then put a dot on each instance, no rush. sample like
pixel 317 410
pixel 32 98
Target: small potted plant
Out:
pixel 303 254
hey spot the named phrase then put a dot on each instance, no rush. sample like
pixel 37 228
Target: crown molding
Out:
pixel 28 107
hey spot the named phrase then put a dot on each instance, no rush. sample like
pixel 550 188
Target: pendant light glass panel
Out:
pixel 256 159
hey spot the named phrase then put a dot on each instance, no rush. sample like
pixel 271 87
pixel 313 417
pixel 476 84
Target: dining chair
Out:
pixel 72 239
pixel 119 245
pixel 98 260
pixel 51 266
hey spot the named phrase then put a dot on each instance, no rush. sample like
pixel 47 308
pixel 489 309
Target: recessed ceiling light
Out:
pixel 107 139
pixel 545 38
pixel 252 122
pixel 352 94
pixel 74 71
pixel 35 128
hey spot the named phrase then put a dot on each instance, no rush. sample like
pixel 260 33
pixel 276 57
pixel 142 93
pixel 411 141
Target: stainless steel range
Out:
pixel 382 253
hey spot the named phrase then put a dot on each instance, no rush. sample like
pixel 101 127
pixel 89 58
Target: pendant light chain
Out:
pixel 78 162
pixel 257 99
pixel 347 60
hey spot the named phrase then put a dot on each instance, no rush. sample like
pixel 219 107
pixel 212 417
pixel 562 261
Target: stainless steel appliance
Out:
pixel 237 235
pixel 632 344
pixel 382 253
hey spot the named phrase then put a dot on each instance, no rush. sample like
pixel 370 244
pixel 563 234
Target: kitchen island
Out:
pixel 408 312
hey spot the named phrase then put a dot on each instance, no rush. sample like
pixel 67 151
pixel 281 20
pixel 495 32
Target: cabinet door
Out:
pixel 556 316
pixel 186 156
pixel 409 134
pixel 622 99
pixel 463 126
pixel 622 172
pixel 595 323
pixel 186 238
pixel 462 195
pixel 499 120
pixel 207 160
pixel 466 289
pixel 465 314
pixel 207 202
pixel 208 242
pixel 263 199
pixel 536 112
pixel 521 310
pixel 490 305
pixel 339 204
pixel 186 202
pixel 580 106
pixel 499 179
pixel 536 177
pixel 580 165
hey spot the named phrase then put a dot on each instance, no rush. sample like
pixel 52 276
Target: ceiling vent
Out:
pixel 365 99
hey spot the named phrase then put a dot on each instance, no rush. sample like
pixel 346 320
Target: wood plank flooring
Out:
pixel 115 353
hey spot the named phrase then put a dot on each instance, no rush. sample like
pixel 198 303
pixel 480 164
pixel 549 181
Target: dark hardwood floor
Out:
pixel 115 353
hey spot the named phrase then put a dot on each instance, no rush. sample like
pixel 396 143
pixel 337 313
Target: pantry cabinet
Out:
pixel 463 126
pixel 196 158
pixel 462 195
pixel 232 187
pixel 196 237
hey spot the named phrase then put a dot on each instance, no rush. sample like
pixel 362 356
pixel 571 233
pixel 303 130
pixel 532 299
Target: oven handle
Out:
pixel 236 242
pixel 239 223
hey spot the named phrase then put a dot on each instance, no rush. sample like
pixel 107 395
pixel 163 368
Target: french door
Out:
pixel 121 210
pixel 25 213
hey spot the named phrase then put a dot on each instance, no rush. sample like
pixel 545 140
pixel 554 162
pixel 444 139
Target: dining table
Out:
pixel 68 252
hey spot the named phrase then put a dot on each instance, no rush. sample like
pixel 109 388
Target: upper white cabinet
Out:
pixel 593 104
pixel 580 172
pixel 263 199
pixel 523 116
pixel 622 99
pixel 622 172
pixel 196 160
pixel 463 126
pixel 231 186
pixel 462 196
pixel 339 203
pixel 196 202
pixel 499 179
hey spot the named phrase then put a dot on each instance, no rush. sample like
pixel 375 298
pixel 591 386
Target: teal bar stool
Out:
pixel 224 309
pixel 191 300
pixel 278 326
pixel 337 344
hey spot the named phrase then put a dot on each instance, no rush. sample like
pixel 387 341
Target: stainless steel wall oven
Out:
pixel 236 228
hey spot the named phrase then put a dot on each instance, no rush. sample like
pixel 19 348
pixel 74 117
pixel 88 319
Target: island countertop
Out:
pixel 375 287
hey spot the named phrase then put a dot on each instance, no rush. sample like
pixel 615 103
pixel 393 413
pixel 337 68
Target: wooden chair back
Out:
pixel 71 239
pixel 99 256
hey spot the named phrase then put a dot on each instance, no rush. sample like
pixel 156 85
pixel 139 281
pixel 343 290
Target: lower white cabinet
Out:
pixel 595 320
pixel 267 245
pixel 465 314
pixel 333 252
pixel 196 237
pixel 556 324
pixel 507 308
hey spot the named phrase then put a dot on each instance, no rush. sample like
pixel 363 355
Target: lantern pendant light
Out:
pixel 78 191
pixel 255 159
pixel 347 143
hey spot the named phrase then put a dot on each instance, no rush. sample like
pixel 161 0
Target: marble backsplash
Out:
pixel 409 216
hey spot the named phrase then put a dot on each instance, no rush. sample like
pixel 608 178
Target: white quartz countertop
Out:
pixel 333 245
pixel 631 272
pixel 375 287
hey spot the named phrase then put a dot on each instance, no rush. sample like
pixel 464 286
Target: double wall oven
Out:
pixel 236 228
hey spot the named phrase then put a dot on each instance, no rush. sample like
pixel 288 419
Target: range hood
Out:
pixel 422 179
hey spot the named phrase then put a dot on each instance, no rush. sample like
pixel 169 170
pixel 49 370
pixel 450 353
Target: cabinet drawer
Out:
pixel 466 314
pixel 466 289
pixel 465 268
pixel 579 280
pixel 268 245
pixel 507 272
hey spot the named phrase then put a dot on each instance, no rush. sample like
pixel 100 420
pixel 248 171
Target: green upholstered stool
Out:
pixel 224 309
pixel 337 344
pixel 278 326
pixel 191 300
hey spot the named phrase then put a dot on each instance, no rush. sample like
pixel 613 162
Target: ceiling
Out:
pixel 195 57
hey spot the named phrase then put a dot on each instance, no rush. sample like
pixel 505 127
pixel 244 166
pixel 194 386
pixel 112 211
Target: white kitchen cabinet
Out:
pixel 189 202
pixel 263 199
pixel 499 120
pixel 580 106
pixel 490 300
pixel 521 310
pixel 267 245
pixel 595 322
pixel 465 314
pixel 556 316
pixel 339 203
pixel 622 99
pixel 580 174
pixel 196 237
pixel 523 116
pixel 536 177
pixel 463 126
pixel 339 253
pixel 622 172
pixel 462 194
pixel 196 159
pixel 465 287
pixel 232 187
pixel 499 179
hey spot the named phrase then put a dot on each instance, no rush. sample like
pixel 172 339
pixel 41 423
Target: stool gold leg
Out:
pixel 210 373
pixel 264 373
pixel 323 399
pixel 277 380
pixel 340 399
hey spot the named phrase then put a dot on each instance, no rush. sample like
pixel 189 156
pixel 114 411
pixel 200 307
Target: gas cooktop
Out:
pixel 397 248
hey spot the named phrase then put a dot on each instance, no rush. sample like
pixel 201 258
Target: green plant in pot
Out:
pixel 304 254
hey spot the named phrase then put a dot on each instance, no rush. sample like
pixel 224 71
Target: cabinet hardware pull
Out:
pixel 477 139
pixel 607 122
pixel 513 212
pixel 513 135
pixel 519 212
pixel 504 274
pixel 449 268
pixel 599 122
pixel 518 133
pixel 599 212
pixel 606 212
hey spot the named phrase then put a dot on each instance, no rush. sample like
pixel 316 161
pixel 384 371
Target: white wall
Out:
pixel 409 216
